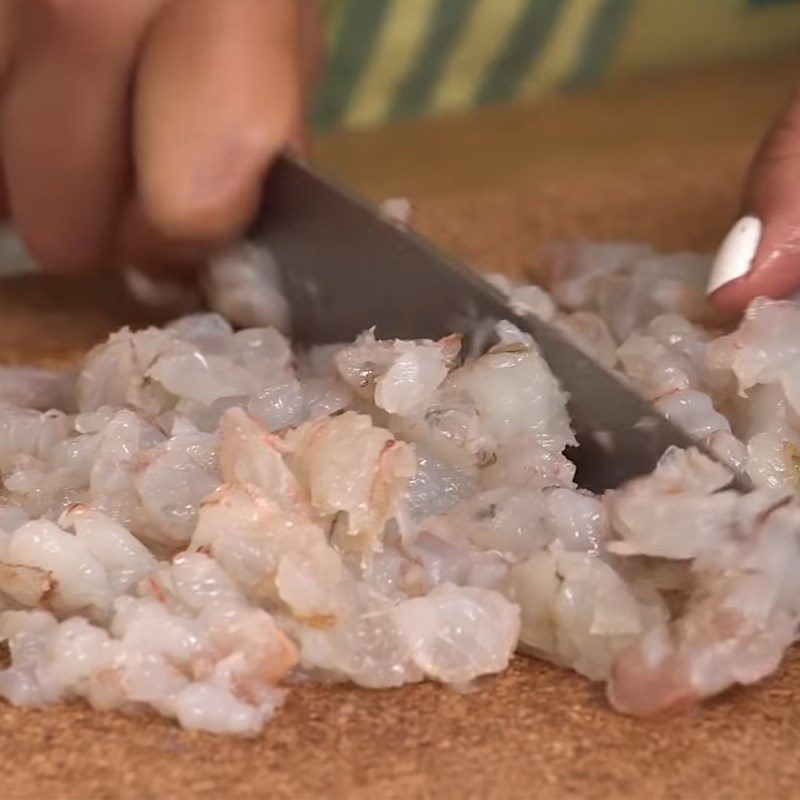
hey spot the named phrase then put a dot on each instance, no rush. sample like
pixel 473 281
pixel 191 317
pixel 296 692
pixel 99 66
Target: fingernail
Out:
pixel 735 255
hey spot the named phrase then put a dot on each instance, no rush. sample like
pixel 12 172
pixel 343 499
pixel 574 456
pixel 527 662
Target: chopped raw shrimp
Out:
pixel 352 468
pixel 735 629
pixel 226 509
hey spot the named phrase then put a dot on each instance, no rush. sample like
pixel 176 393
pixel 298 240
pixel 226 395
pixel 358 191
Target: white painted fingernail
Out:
pixel 735 254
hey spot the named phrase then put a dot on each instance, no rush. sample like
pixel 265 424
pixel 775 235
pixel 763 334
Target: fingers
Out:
pixel 63 125
pixel 139 245
pixel 218 93
pixel 312 47
pixel 218 96
pixel 761 254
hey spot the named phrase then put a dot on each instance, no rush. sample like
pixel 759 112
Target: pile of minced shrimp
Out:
pixel 197 516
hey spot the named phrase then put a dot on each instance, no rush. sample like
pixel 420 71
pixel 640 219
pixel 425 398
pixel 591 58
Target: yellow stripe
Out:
pixel 402 35
pixel 665 34
pixel 484 35
pixel 332 13
pixel 562 50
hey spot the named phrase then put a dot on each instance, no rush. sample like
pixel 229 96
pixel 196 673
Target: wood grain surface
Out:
pixel 660 160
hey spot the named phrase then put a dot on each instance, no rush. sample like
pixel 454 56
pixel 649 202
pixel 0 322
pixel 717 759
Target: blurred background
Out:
pixel 423 97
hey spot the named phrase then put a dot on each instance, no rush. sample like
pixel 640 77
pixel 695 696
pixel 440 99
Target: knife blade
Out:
pixel 345 269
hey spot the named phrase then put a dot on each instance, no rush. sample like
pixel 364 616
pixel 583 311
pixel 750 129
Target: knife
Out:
pixel 345 269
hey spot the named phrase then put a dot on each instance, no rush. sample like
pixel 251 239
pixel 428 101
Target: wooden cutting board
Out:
pixel 535 731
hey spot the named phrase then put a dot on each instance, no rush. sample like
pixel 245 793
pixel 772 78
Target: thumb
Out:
pixel 761 254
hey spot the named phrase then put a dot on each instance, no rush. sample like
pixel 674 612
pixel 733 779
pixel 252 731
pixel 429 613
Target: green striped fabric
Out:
pixel 415 90
pixel 598 46
pixel 390 60
pixel 516 55
pixel 349 57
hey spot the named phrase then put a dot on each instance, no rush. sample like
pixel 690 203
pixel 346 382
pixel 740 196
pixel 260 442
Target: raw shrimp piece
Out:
pixel 439 556
pixel 738 623
pixel 318 361
pixel 265 350
pixel 24 432
pixel 515 393
pixel 596 613
pixel 693 411
pixel 208 331
pixel 524 299
pixel 397 210
pixel 250 454
pixel 174 633
pixel 656 371
pixel 572 270
pixel 136 678
pixel 672 282
pixel 79 651
pixel 449 427
pixel 232 655
pixel 773 460
pixel 176 297
pixel 203 706
pixel 627 284
pixel 236 648
pixel 204 379
pixel 243 284
pixel 680 285
pixel 671 354
pixel 435 487
pixel 125 559
pixel 195 367
pixel 173 480
pixel 363 645
pixel 250 536
pixel 764 409
pixel 590 333
pixel 691 342
pixel 678 511
pixel 28 635
pixel 325 396
pixel 483 410
pixel 455 634
pixel 400 376
pixel 577 611
pixel 765 360
pixel 279 404
pixel 23 585
pixel 769 428
pixel 114 373
pixel 112 478
pixel 252 654
pixel 512 521
pixel 527 462
pixel 764 348
pixel 533 584
pixel 729 450
pixel 577 519
pixel 199 582
pixel 31 387
pixel 350 466
pixel 11 516
pixel 79 583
